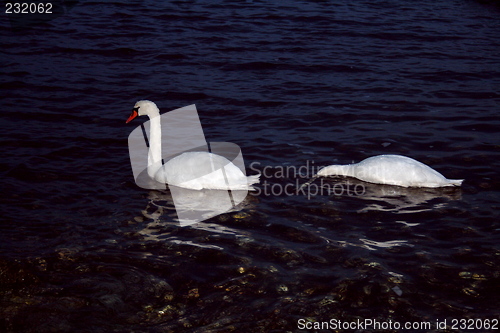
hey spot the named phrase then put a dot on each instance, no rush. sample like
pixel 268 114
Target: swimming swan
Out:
pixel 191 170
pixel 391 170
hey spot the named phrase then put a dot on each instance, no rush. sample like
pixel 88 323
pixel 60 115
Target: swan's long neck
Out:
pixel 154 153
pixel 337 170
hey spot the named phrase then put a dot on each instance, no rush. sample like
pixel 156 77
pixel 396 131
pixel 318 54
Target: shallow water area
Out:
pixel 297 86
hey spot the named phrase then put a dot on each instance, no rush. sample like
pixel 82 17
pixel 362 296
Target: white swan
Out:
pixel 391 170
pixel 191 170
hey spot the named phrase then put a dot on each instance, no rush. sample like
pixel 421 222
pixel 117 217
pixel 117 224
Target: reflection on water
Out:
pixel 179 204
pixel 372 245
pixel 396 199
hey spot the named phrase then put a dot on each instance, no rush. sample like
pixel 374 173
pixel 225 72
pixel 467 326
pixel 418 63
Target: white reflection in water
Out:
pixel 209 203
pixel 397 199
pixel 374 245
pixel 371 245
pixel 408 224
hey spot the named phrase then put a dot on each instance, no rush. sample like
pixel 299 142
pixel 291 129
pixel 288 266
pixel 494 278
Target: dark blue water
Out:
pixel 83 249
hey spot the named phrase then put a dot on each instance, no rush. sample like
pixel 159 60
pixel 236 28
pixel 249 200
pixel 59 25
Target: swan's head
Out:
pixel 144 108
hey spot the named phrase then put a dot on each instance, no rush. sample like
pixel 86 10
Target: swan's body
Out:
pixel 195 170
pixel 392 170
pixel 191 170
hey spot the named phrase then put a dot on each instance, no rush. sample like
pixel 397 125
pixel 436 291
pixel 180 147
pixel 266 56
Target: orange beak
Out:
pixel 132 116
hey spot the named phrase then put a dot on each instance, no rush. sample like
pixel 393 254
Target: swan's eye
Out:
pixel 136 109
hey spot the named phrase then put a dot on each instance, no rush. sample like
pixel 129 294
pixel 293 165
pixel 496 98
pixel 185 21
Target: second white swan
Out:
pixel 391 170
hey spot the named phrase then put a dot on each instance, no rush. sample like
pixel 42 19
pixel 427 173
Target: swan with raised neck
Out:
pixel 191 170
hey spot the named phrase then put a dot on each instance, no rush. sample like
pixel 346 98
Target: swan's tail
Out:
pixel 455 182
pixel 337 170
pixel 331 170
pixel 255 179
